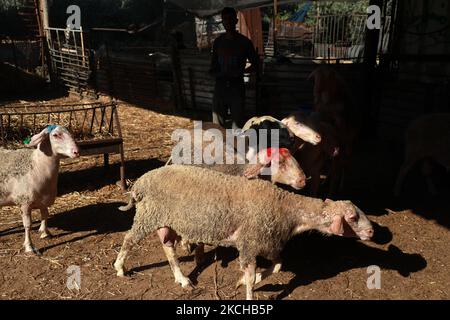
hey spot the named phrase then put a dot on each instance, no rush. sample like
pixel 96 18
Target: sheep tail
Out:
pixel 129 205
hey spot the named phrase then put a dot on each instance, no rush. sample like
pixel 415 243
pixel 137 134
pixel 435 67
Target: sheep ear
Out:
pixel 38 138
pixel 253 171
pixel 337 226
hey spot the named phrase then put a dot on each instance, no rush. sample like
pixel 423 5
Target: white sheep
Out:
pixel 28 178
pixel 256 217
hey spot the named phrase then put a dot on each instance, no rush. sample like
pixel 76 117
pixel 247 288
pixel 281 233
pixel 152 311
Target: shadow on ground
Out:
pixel 95 178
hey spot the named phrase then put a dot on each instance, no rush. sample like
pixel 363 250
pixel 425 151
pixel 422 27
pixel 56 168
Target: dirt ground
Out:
pixel 410 247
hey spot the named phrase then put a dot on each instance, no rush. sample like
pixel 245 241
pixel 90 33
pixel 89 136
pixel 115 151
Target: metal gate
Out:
pixel 70 57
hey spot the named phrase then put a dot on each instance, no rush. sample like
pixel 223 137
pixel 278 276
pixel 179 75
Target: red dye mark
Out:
pixel 273 152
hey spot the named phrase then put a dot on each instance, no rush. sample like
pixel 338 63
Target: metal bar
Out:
pixel 84 119
pixel 111 123
pixel 92 121
pixel 74 41
pixel 82 45
pixel 102 110
pixel 58 40
pixel 123 183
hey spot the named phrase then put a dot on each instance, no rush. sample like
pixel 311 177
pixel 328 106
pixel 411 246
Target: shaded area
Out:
pixel 97 219
pixel 16 83
pixel 313 257
pixel 101 218
pixel 370 179
pixel 94 178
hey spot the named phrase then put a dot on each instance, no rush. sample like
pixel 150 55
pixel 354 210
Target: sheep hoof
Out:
pixel 240 282
pixel 121 273
pixel 46 234
pixel 186 283
pixel 32 251
pixel 120 270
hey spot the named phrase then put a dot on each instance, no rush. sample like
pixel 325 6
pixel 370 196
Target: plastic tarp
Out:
pixel 300 15
pixel 205 8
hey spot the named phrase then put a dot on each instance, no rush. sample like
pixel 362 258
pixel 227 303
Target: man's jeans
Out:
pixel 229 94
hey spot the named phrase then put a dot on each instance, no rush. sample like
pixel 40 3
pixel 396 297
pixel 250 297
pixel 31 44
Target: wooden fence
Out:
pixel 133 76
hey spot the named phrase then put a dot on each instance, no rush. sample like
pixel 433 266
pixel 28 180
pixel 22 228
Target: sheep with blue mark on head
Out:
pixel 28 177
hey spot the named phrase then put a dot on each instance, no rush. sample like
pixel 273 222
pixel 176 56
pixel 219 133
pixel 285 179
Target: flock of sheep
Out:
pixel 222 204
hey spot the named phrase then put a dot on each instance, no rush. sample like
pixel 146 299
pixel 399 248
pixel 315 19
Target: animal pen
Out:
pixel 95 126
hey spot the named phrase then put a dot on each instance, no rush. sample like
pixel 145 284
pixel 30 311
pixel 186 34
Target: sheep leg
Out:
pixel 175 266
pixel 402 174
pixel 260 276
pixel 131 239
pixel 199 254
pixel 26 219
pixel 45 233
pixel 250 278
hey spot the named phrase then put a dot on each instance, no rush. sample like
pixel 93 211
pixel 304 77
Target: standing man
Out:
pixel 228 64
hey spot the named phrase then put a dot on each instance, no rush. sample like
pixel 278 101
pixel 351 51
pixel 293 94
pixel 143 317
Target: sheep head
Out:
pixel 56 139
pixel 281 166
pixel 347 220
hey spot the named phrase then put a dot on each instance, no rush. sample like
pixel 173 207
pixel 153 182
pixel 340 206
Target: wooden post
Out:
pixel 274 27
pixel 371 43
pixel 370 61
pixel 44 13
pixel 44 18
